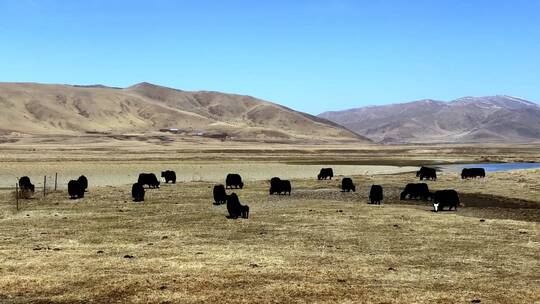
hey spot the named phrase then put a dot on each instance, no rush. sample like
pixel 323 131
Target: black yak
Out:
pixel 25 184
pixel 75 189
pixel 473 173
pixel 376 194
pixel 347 185
pixel 137 192
pixel 236 209
pixel 26 188
pixel 220 196
pixel 83 181
pixel 445 198
pixel 427 173
pixel 325 173
pixel 149 179
pixel 234 180
pixel 279 186
pixel 416 191
pixel 169 176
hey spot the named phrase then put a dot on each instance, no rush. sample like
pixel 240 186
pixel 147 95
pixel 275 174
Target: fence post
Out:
pixel 55 181
pixel 44 185
pixel 17 195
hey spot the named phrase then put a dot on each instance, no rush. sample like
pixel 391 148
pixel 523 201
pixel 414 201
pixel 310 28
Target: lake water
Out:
pixel 491 167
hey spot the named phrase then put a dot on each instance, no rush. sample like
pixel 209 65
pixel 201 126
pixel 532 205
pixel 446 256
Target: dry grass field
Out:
pixel 316 246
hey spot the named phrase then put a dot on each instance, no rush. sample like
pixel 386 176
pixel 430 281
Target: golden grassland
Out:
pixel 318 245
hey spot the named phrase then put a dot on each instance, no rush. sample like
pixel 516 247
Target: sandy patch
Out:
pixel 117 173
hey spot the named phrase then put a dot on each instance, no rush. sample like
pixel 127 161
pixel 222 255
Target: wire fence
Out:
pixel 41 189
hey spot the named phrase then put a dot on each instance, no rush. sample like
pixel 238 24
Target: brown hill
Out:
pixel 30 108
pixel 464 120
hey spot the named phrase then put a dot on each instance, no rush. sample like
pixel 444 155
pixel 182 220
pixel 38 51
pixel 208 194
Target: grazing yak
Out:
pixel 83 181
pixel 416 191
pixel 236 209
pixel 25 184
pixel 220 196
pixel 137 192
pixel 473 173
pixel 75 189
pixel 279 186
pixel 149 179
pixel 169 176
pixel 347 185
pixel 234 180
pixel 445 198
pixel 376 194
pixel 325 173
pixel 26 188
pixel 426 173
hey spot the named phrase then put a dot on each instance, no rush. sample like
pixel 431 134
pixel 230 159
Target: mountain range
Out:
pixel 144 108
pixel 465 120
pixel 30 108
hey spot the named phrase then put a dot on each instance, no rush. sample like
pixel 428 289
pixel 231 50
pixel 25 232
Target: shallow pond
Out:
pixel 490 167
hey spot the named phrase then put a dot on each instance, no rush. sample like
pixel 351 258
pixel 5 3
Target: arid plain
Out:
pixel 318 245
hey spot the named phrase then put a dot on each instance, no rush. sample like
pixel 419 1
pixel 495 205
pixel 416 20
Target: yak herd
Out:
pixel 414 191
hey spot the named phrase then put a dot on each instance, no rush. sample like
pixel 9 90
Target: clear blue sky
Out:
pixel 309 55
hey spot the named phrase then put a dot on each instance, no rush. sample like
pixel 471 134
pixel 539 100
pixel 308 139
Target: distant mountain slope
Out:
pixel 468 119
pixel 64 109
